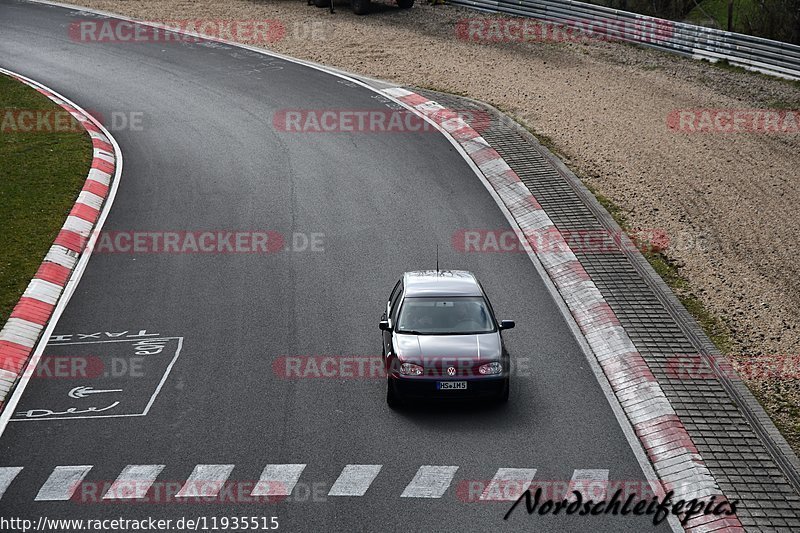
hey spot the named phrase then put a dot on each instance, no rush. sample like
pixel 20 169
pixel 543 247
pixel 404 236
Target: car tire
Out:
pixel 322 3
pixel 391 397
pixel 405 4
pixel 503 396
pixel 360 7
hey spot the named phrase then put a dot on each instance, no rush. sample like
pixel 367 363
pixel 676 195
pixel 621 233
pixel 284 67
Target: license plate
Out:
pixel 451 385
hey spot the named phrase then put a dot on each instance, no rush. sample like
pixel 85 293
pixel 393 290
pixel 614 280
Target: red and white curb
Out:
pixel 666 441
pixel 25 334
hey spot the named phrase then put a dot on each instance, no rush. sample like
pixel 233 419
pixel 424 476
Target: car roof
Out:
pixel 441 283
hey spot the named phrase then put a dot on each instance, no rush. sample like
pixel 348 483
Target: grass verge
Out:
pixel 744 11
pixel 41 174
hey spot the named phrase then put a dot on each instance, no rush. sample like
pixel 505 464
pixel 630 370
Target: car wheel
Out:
pixel 503 396
pixel 391 397
pixel 322 3
pixel 405 4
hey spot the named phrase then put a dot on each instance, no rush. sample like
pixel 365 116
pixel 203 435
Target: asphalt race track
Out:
pixel 207 157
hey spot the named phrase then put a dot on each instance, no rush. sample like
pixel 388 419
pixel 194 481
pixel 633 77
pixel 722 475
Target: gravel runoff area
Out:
pixel 728 201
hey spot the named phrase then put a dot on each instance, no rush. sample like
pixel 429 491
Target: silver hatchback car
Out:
pixel 441 339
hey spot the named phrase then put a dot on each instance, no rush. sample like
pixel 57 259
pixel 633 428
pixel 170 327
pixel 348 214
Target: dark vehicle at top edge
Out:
pixel 361 7
pixel 441 339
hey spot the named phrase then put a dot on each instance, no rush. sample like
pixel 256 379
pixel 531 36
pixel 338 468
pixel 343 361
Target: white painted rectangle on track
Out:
pixel 508 484
pixel 430 482
pixel 151 359
pixel 205 481
pixel 7 475
pixel 133 482
pixel 591 484
pixel 278 480
pixel 62 483
pixel 354 480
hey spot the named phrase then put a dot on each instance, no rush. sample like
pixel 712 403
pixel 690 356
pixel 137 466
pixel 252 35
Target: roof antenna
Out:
pixel 437 258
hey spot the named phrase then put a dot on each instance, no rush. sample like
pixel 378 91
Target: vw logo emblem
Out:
pixel 451 371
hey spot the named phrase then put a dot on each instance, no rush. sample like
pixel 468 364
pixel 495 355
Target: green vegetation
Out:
pixel 41 174
pixel 773 19
pixel 744 11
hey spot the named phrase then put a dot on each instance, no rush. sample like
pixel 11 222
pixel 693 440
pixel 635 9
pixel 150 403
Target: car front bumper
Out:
pixel 419 388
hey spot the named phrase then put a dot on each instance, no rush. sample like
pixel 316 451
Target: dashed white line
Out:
pixel 205 481
pixel 62 483
pixel 591 484
pixel 430 482
pixel 508 484
pixel 133 482
pixel 354 480
pixel 278 480
pixel 7 475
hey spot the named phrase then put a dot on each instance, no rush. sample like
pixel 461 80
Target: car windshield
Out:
pixel 445 316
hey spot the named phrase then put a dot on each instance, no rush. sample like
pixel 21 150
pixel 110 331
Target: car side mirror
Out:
pixel 384 325
pixel 507 324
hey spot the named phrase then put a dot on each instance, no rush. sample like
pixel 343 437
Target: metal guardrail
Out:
pixel 753 53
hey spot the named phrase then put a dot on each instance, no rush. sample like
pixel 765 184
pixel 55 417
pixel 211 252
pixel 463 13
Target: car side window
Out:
pixel 395 301
pixel 395 291
pixel 488 303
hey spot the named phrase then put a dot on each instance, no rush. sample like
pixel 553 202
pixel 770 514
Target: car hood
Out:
pixel 419 349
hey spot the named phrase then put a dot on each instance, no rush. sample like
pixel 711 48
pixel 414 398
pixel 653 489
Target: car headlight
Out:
pixel 490 368
pixel 410 369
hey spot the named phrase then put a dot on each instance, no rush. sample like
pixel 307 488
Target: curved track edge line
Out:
pixel 25 334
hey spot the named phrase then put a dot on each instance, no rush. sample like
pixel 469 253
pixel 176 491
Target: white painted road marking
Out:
pixel 30 415
pixel 133 482
pixel 7 475
pixel 430 482
pixel 62 483
pixel 508 484
pixel 354 480
pixel 205 481
pixel 592 484
pixel 278 480
pixel 82 392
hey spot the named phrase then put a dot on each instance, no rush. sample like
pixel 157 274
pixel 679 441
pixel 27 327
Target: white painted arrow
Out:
pixel 82 392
